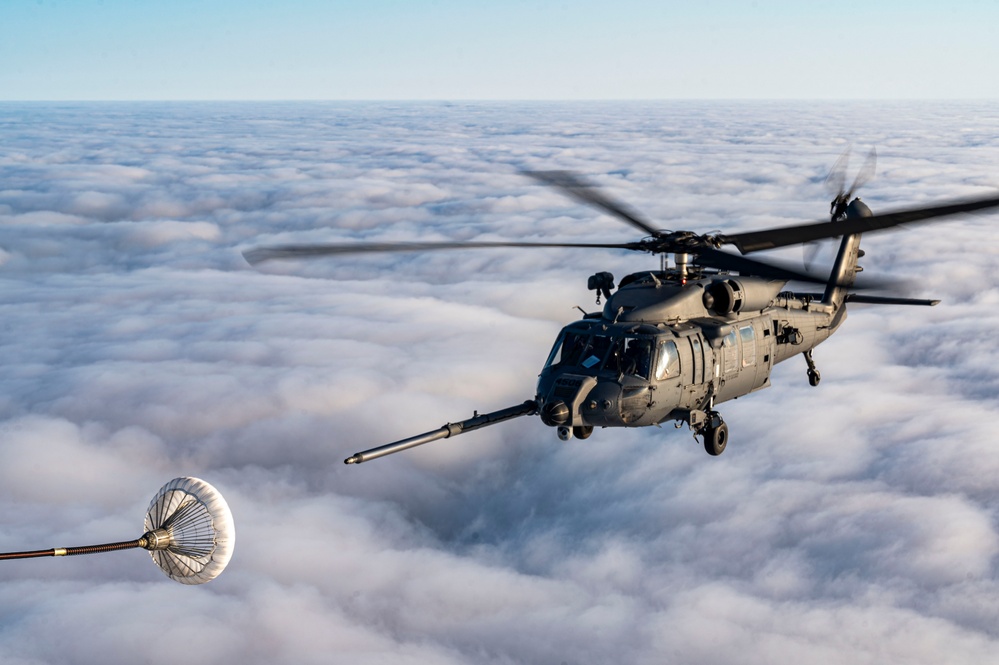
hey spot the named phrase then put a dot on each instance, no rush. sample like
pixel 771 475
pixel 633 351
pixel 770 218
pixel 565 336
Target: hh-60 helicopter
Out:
pixel 672 344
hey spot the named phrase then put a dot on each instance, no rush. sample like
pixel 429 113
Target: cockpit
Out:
pixel 601 374
pixel 616 353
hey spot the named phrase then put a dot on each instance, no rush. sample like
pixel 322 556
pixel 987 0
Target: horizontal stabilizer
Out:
pixel 875 300
pixel 886 300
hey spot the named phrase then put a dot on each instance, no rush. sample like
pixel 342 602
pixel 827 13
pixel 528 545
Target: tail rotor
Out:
pixel 835 184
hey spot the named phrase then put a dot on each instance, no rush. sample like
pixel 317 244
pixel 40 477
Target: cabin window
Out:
pixel 698 355
pixel 669 361
pixel 748 346
pixel 731 345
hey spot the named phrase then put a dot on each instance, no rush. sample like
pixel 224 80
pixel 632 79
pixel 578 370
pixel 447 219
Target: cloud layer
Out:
pixel 851 523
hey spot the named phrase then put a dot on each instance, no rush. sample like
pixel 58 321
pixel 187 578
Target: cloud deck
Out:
pixel 855 522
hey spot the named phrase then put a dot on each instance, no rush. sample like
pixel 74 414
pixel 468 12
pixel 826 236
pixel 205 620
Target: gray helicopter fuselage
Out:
pixel 671 344
pixel 664 347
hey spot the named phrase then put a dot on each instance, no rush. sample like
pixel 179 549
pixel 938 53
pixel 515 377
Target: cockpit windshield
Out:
pixel 622 355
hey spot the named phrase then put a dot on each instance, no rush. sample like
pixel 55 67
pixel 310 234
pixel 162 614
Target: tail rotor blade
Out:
pixel 836 180
pixel 865 173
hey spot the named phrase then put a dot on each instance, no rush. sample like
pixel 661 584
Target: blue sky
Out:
pixel 445 49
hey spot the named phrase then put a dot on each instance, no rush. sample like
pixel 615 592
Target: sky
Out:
pixel 853 522
pixel 459 50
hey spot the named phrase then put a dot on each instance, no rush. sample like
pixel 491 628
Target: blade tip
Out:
pixel 255 256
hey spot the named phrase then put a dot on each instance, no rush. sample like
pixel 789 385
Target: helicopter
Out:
pixel 674 343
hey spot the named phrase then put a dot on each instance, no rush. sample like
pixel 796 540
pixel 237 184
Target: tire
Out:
pixel 582 431
pixel 813 378
pixel 715 439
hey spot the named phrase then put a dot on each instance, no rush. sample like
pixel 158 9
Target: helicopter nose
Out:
pixel 555 413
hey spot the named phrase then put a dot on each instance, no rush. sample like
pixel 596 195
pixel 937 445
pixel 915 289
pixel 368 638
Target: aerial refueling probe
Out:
pixel 528 408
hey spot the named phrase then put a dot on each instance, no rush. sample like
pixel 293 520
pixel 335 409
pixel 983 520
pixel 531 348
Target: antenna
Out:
pixel 189 533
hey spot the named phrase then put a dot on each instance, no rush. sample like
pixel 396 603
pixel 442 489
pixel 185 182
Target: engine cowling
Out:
pixel 733 295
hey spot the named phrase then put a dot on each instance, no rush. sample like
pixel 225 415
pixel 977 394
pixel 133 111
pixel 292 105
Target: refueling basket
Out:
pixel 189 533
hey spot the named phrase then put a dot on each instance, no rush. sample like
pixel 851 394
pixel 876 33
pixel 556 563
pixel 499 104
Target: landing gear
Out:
pixel 813 374
pixel 715 437
pixel 709 424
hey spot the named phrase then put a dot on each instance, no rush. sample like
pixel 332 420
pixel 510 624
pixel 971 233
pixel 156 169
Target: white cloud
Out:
pixel 853 522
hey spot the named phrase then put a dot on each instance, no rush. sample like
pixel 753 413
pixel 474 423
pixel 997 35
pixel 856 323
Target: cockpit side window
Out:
pixel 637 356
pixel 632 356
pixel 668 365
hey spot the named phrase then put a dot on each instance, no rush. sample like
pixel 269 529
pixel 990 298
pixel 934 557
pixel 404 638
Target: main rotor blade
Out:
pixel 574 186
pixel 261 254
pixel 714 258
pixel 755 241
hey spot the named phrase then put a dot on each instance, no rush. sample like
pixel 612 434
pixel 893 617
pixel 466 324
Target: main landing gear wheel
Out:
pixel 715 439
pixel 813 373
pixel 582 431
